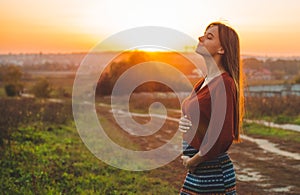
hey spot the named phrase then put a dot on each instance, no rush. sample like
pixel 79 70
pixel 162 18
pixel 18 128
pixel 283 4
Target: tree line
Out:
pixel 113 71
pixel 279 68
pixel 12 80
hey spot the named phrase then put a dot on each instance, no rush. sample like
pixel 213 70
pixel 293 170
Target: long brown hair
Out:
pixel 229 40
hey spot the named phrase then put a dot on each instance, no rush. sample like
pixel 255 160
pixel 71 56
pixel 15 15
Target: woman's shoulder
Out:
pixel 228 79
pixel 229 83
pixel 225 80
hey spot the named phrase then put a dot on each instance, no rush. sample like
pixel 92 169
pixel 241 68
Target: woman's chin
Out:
pixel 202 51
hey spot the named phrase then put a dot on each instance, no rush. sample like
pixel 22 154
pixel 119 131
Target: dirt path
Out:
pixel 261 172
pixel 258 171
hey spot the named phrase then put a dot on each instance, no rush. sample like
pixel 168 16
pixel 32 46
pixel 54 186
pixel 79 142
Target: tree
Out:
pixel 11 76
pixel 252 63
pixel 113 72
pixel 104 86
pixel 12 89
pixel 297 79
pixel 42 88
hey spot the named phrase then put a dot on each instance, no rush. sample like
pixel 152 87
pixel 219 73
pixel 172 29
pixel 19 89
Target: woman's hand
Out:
pixel 186 161
pixel 184 124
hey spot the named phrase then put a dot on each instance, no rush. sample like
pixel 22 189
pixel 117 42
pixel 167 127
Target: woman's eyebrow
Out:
pixel 209 33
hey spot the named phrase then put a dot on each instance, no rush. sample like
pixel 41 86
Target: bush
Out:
pixel 282 109
pixel 297 79
pixel 42 88
pixel 281 119
pixel 11 76
pixel 60 93
pixel 29 111
pixel 11 90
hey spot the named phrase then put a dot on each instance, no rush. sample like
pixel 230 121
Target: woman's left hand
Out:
pixel 186 161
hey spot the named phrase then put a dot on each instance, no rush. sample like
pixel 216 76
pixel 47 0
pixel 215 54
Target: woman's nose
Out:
pixel 201 38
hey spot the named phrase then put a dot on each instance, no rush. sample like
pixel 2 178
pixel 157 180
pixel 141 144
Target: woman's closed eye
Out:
pixel 209 36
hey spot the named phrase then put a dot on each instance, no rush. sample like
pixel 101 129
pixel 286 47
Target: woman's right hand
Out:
pixel 184 124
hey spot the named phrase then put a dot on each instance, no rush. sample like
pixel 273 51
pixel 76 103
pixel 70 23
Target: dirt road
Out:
pixel 258 171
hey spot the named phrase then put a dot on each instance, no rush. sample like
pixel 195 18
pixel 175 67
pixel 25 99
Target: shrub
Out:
pixel 11 90
pixel 30 112
pixel 297 79
pixel 42 88
pixel 277 106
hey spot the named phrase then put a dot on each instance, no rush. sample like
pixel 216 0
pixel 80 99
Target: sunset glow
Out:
pixel 265 27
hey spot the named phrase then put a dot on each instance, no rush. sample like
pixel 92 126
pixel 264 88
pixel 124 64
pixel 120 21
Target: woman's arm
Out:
pixel 191 163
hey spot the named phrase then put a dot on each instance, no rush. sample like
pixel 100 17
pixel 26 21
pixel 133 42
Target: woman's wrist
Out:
pixel 190 163
pixel 194 161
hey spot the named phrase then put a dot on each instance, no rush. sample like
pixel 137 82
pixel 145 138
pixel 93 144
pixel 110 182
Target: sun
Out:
pixel 151 49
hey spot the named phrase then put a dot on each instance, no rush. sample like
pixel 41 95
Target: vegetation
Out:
pixel 287 67
pixel 43 154
pixel 22 112
pixel 297 79
pixel 11 77
pixel 277 109
pixel 12 90
pixel 267 132
pixel 42 88
pixel 281 70
pixel 126 61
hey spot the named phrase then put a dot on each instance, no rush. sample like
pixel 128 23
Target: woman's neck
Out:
pixel 214 68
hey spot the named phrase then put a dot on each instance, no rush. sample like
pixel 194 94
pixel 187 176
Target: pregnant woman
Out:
pixel 212 115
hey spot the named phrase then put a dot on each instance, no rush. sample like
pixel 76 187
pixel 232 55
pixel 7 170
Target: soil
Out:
pixel 257 171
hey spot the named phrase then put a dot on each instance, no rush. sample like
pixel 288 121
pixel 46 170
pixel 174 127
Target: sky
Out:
pixel 267 28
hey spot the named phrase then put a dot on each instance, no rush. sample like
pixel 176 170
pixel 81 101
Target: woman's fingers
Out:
pixel 184 124
pixel 183 120
pixel 183 129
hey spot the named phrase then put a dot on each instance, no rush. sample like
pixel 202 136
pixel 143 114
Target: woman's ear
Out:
pixel 221 51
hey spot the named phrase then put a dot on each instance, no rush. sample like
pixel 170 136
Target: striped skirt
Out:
pixel 211 177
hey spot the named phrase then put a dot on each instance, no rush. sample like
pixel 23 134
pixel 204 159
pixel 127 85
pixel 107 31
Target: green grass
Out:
pixel 41 153
pixel 2 92
pixel 267 132
pixel 283 119
pixel 54 160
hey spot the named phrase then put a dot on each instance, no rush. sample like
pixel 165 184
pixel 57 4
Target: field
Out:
pixel 42 152
pixel 45 155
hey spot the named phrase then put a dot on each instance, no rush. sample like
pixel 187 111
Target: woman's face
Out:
pixel 209 43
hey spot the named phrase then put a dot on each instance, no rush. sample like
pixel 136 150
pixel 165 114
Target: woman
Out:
pixel 212 115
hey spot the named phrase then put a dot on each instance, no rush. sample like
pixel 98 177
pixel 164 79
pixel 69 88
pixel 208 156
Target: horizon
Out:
pixel 259 55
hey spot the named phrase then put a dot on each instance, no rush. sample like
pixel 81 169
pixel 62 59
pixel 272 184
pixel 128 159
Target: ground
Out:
pixel 258 171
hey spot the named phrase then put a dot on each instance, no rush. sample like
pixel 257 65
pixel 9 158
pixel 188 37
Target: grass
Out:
pixel 56 161
pixel 267 132
pixel 56 81
pixel 50 158
pixel 281 119
pixel 2 92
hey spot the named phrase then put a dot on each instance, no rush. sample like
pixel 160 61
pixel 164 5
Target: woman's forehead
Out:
pixel 213 30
